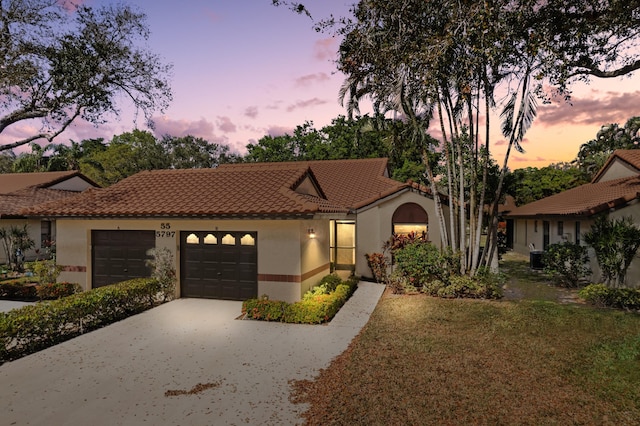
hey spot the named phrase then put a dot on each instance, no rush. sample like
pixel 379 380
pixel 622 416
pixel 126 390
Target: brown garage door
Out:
pixel 219 265
pixel 120 255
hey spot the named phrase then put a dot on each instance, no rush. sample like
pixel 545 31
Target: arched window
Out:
pixel 410 218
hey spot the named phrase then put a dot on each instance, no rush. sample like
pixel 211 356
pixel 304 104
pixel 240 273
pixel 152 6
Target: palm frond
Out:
pixel 507 115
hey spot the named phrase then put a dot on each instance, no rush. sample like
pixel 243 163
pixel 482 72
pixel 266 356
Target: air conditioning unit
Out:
pixel 567 237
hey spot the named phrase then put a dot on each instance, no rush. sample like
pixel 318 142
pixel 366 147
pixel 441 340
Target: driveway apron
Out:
pixel 188 362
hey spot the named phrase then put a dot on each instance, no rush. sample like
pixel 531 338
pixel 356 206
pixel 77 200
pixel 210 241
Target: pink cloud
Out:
pixel 306 104
pixel 200 128
pixel 211 15
pixel 251 112
pixel 518 159
pixel 325 49
pixel 279 130
pixel 226 125
pixel 597 109
pixel 310 79
pixel 71 5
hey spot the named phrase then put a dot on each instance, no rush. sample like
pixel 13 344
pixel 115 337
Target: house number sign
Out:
pixel 165 231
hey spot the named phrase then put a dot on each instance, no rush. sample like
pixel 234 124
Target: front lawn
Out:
pixel 424 360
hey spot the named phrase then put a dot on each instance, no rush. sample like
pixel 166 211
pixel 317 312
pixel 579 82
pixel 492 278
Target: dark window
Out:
pixel 560 228
pixel 545 235
pixel 577 232
pixel 45 233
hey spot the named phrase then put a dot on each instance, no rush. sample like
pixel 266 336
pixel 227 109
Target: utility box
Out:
pixel 535 259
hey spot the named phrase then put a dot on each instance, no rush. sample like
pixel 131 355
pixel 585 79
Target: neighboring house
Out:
pixel 240 230
pixel 19 191
pixel 566 216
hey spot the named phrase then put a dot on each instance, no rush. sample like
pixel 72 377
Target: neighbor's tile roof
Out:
pixel 629 156
pixel 247 189
pixel 585 200
pixel 13 204
pixel 11 182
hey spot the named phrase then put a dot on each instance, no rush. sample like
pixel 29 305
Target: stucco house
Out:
pixel 19 191
pixel 614 191
pixel 239 230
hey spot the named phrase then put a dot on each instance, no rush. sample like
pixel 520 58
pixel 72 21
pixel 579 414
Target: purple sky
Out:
pixel 244 69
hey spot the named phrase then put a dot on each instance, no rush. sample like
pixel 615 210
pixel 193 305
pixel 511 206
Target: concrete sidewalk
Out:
pixel 121 374
pixel 7 305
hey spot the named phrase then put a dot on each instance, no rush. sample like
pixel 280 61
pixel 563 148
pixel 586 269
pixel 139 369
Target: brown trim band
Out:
pixel 313 272
pixel 293 278
pixel 279 278
pixel 70 268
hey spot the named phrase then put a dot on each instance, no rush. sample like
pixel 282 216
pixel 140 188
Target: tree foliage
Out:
pixel 531 183
pixel 57 66
pixel 448 59
pixel 594 154
pixel 615 242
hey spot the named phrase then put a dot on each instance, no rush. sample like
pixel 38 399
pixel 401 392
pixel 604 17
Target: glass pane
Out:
pixel 406 229
pixel 210 239
pixel 193 239
pixel 346 234
pixel 247 240
pixel 346 256
pixel 229 240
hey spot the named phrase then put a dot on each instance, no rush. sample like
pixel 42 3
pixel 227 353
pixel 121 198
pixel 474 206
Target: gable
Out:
pixel 622 163
pixel 73 184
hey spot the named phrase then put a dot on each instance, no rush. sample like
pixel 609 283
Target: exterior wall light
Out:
pixel 311 233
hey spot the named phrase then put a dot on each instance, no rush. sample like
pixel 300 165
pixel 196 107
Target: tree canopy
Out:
pixel 449 59
pixel 58 65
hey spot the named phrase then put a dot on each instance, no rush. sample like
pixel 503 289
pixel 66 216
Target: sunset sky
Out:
pixel 244 69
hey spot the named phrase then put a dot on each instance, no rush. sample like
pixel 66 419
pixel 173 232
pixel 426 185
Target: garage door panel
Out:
pixel 120 255
pixel 219 266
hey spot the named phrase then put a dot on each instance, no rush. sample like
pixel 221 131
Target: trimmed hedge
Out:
pixel 18 290
pixel 621 298
pixel 32 328
pixel 314 309
pixel 53 291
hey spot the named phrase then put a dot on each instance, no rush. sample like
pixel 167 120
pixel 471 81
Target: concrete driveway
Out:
pixel 7 305
pixel 188 362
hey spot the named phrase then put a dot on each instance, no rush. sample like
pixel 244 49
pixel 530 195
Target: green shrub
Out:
pixel 264 309
pixel 567 262
pixel 17 290
pixel 485 285
pixel 422 261
pixel 46 270
pixel 378 264
pixel 601 295
pixel 35 327
pixel 330 282
pixel 57 290
pixel 314 308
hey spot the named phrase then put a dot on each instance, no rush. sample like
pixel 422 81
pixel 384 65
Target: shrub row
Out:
pixel 601 295
pixel 36 327
pixel 16 290
pixel 316 306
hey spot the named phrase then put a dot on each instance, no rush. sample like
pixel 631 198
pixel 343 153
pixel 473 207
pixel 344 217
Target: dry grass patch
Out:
pixel 423 360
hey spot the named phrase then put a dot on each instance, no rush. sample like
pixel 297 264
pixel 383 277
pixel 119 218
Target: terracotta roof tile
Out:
pixel 13 204
pixel 258 189
pixel 11 182
pixel 585 200
pixel 629 156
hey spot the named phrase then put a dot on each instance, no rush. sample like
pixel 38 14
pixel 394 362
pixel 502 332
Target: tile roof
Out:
pixel 584 200
pixel 11 182
pixel 246 189
pixel 629 156
pixel 12 205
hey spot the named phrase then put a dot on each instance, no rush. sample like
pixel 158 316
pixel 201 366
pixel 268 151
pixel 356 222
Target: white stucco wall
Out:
pixel 374 226
pixel 288 260
pixel 34 229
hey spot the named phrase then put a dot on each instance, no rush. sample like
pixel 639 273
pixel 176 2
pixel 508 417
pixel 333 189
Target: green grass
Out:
pixel 423 360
